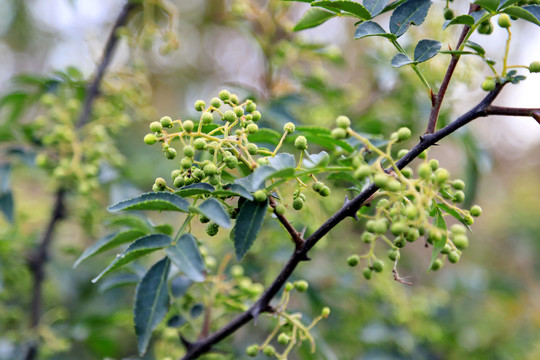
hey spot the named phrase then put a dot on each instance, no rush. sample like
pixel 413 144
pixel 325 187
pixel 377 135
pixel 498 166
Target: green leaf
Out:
pixel 453 213
pixel 525 13
pixel 460 20
pixel 282 161
pixel 213 210
pixel 457 52
pixel 255 181
pixel 490 5
pixel 370 28
pixel 265 135
pixel 329 142
pixel 151 302
pixel 152 201
pixel 180 285
pixel 351 7
pixel 196 310
pixel 375 6
pixel 130 221
pixel 6 196
pixel 508 3
pixel 248 223
pixel 176 321
pixel 411 12
pixel 186 256
pixel 109 242
pixel 438 245
pixel 313 17
pixel 426 49
pixel 401 60
pixel 138 248
pixel 476 47
pixel 234 190
pixel 315 160
pixel 164 229
pixel 316 130
pixel 195 189
pixel 117 281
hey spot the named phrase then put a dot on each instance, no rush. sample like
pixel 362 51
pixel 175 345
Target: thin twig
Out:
pixel 295 235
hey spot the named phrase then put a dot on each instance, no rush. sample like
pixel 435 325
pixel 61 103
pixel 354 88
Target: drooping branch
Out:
pixel 38 259
pixel 350 208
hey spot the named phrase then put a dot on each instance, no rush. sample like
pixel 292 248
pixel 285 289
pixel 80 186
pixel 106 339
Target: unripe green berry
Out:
pixel 339 133
pixel 199 144
pixel 210 169
pixel 368 237
pixel 288 287
pixel 198 173
pixel 175 173
pixel 269 350
pixel 393 254
pixel 262 161
pixel 318 186
pixel 403 134
pixel 283 339
pixel 156 126
pixel 301 285
pixel 424 171
pixel 434 164
pixel 229 116
pixel 255 116
pixel 166 122
pixel 186 163
pixel 170 153
pixel 200 105
pixel 156 188
pixel 298 204
pixel 189 151
pixel 250 106
pixel 188 126
pixel 423 155
pixel 488 84
pixel 504 21
pixel 534 67
pixel 437 264
pixel 362 172
pixel 485 28
pixel 448 14
pixel 239 111
pixel 353 260
pixel 412 234
pixel 252 128
pixel 453 257
pixel 150 139
pixel 300 143
pixel 212 229
pixel 224 95
pixel 380 226
pixel 207 117
pixel 179 181
pixel 234 99
pixel 367 273
pixel 434 235
pixel 378 266
pixel 216 102
pixel 252 148
pixel 381 180
pixel 393 185
pixel 260 195
pixel 325 312
pixel 398 228
pixel 468 219
pixel 446 249
pixel 407 172
pixel 401 153
pixel 458 184
pixel 476 211
pixel 289 128
pixel 343 122
pixel 280 209
pixel 458 229
pixel 411 212
pixel 461 241
pixel 161 183
pixel 252 350
pixel 237 271
pixel 204 219
pixel 441 175
pixel 459 196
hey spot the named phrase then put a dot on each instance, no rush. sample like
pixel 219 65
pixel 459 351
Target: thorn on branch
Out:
pixel 187 344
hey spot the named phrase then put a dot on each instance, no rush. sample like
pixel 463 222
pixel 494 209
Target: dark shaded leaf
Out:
pixel 6 197
pixel 460 20
pixel 248 224
pixel 351 7
pixel 265 135
pixel 196 310
pixel 490 5
pixel 255 181
pixel 282 161
pixel 152 201
pixel 508 3
pixel 476 47
pixel 528 13
pixel 138 248
pixel 131 221
pixel 180 286
pixel 370 28
pixel 313 17
pixel 314 160
pixel 411 12
pixel 109 242
pixel 176 321
pixel 232 190
pixel 426 49
pixel 213 210
pixel 401 60
pixel 195 189
pixel 186 256
pixel 375 6
pixel 151 302
pixel 117 281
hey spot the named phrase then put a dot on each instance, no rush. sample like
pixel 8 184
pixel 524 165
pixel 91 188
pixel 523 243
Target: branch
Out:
pixel 437 99
pixel 38 259
pixel 295 235
pixel 349 209
pixel 500 110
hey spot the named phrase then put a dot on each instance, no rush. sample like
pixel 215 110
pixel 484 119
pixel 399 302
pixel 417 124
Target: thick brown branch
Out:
pixel 350 208
pixel 501 110
pixel 295 235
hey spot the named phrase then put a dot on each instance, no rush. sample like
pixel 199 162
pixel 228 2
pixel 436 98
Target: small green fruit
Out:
pixel 381 226
pixel 343 122
pixel 412 234
pixel 393 254
pixel 161 183
pixel 199 144
pixel 269 350
pixel 252 128
pixel 210 169
pixel 178 181
pixel 301 285
pixel 448 14
pixel 398 228
pixel 441 176
pixel 325 191
pixel 224 95
pixel 318 186
pixel 252 148
pixel 401 153
pixel 150 139
pixel 458 184
pixel 255 116
pixel 186 163
pixel 166 122
pixel 403 134
pixel 200 105
pixel 368 237
pixel 289 128
pixel 434 164
pixel 489 84
pixel 368 273
pixel 339 133
pixel 283 339
pixel 170 153
pixel 485 28
pixel 411 212
pixel 504 21
pixel 156 126
pixel 407 172
pixel 252 350
pixel 381 180
pixel 203 219
pixel 300 143
pixel 476 211
pixel 215 102
pixel 378 266
pixel 189 151
pixel 453 257
pixel 437 264
pixel 446 249
pixel 353 260
pixel 534 67
pixel 239 111
pixel 188 126
pixel 212 229
pixel 325 312
pixel 461 241
pixel 250 106
pixel 234 99
pixel 298 204
pixel 229 116
pixel 207 117
pixel 260 195
pixel 424 171
pixel 280 209
pixel 362 172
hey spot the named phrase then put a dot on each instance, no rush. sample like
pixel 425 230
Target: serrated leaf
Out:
pixel 255 181
pixel 265 135
pixel 282 161
pixel 151 302
pixel 152 201
pixel 351 7
pixel 375 6
pixel 195 189
pixel 525 13
pixel 180 286
pixel 186 256
pixel 476 47
pixel 313 17
pixel 213 210
pixel 314 160
pixel 401 60
pixel 426 49
pixel 453 213
pixel 370 28
pixel 131 221
pixel 490 5
pixel 138 248
pixel 438 245
pixel 460 20
pixel 411 12
pixel 248 224
pixel 109 242
pixel 117 281
pixel 232 190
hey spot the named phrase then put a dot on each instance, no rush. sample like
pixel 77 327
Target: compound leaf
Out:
pixel 408 13
pixel 426 49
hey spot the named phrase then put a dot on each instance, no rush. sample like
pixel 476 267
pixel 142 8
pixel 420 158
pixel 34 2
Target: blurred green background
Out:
pixel 485 307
